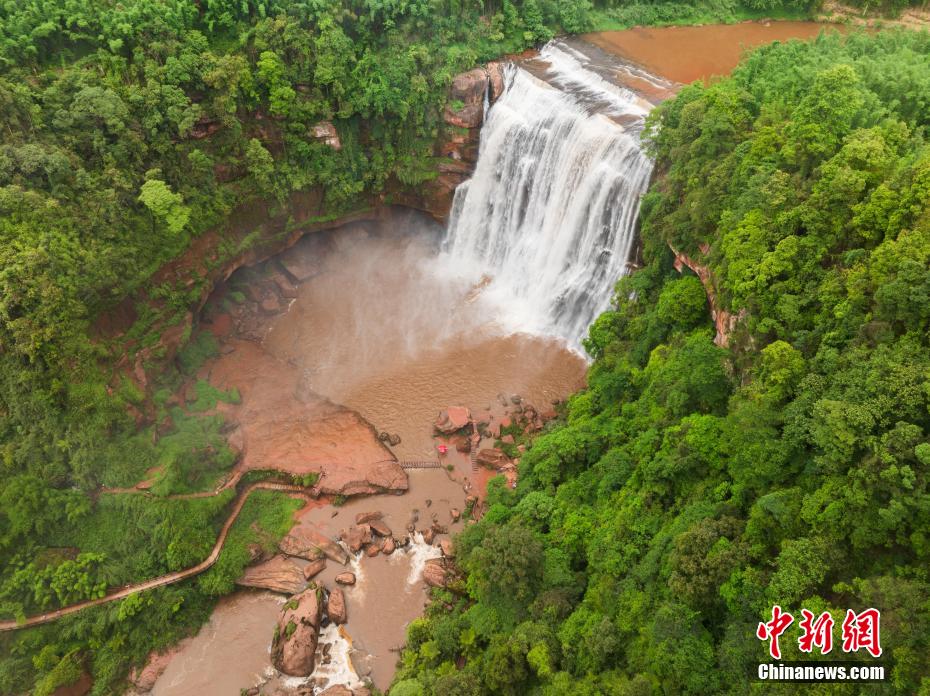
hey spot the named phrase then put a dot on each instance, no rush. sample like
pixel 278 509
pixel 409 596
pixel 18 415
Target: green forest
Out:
pixel 693 486
pixel 690 485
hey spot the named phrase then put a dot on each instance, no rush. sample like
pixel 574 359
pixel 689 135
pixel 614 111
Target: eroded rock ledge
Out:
pixel 724 320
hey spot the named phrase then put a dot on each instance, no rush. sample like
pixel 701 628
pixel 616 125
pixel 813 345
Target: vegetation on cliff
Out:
pixel 131 128
pixel 694 486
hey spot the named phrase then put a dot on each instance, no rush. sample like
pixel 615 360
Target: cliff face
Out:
pixel 258 230
pixel 724 320
pixel 458 145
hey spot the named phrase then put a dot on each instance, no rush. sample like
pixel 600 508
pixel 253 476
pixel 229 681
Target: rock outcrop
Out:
pixel 356 537
pixel 295 639
pixel 724 320
pixel 143 680
pixel 286 427
pixel 326 133
pixel 463 117
pixel 314 568
pixel 305 540
pixel 434 573
pixel 278 575
pixel 492 458
pixel 452 420
pixel 380 528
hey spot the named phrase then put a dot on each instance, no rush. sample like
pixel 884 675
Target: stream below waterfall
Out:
pixel 400 319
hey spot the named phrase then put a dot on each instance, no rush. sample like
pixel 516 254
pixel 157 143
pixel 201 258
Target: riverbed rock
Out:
pixel 366 517
pixel 278 575
pixel 428 535
pixel 270 304
pixel 380 528
pixel 372 550
pixel 492 458
pixel 307 541
pixel 314 568
pixel 452 419
pixel 143 680
pixel 305 259
pixel 294 646
pixel 434 573
pixel 346 578
pixel 447 548
pixel 389 546
pixel 285 287
pixel 455 514
pixel 356 537
pixel 338 690
pixel 336 606
pixel 501 425
pixel 289 428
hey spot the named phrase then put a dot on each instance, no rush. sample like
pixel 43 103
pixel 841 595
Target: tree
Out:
pixel 166 206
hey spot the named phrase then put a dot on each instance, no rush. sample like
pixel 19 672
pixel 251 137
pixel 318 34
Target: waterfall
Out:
pixel 550 212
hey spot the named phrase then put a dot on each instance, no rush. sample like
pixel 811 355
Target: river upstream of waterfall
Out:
pixel 402 318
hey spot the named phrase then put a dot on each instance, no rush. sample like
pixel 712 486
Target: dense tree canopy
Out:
pixel 694 486
pixel 132 127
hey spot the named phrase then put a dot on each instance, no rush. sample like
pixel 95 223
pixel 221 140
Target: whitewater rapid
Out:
pixel 550 213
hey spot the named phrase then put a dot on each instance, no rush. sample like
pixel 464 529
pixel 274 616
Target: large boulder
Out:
pixel 356 537
pixel 306 541
pixel 295 640
pixel 314 568
pixel 365 517
pixel 346 578
pixel 380 528
pixel 452 419
pixel 492 458
pixel 336 606
pixel 278 575
pixel 434 573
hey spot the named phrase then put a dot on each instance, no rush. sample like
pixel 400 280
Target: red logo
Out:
pixel 817 632
pixel 773 629
pixel 860 631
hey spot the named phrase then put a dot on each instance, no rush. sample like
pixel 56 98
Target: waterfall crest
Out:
pixel 550 212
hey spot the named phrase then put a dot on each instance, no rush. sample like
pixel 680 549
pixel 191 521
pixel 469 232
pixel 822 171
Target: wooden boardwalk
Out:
pixel 415 464
pixel 169 579
pixel 178 576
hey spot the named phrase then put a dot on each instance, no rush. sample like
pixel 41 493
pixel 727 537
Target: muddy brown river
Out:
pixel 387 327
pixel 686 54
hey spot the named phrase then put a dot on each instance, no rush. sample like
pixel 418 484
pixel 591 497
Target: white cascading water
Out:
pixel 550 212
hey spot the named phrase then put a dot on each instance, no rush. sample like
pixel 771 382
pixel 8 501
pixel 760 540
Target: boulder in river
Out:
pixel 336 606
pixel 492 458
pixel 434 573
pixel 380 528
pixel 339 690
pixel 356 537
pixel 388 547
pixel 295 639
pixel 366 517
pixel 279 574
pixel 314 568
pixel 452 419
pixel 447 550
pixel 306 541
pixel 346 578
